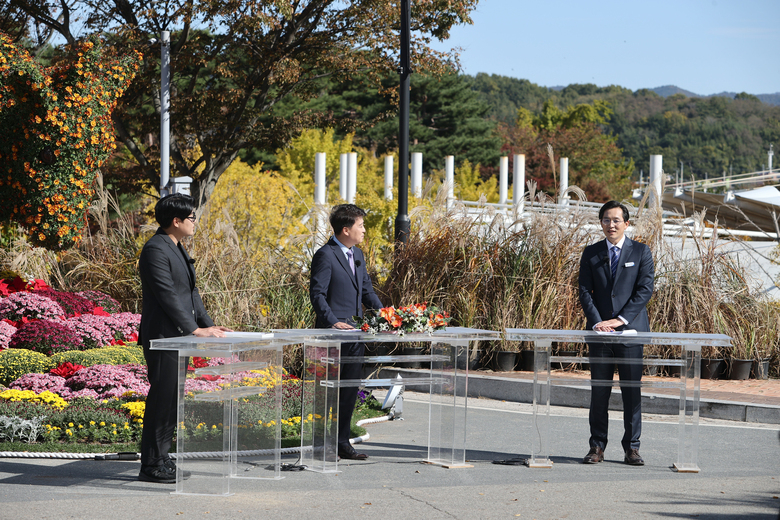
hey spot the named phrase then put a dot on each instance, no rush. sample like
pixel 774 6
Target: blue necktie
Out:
pixel 351 261
pixel 613 260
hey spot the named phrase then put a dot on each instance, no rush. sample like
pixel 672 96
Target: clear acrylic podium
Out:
pixel 447 406
pixel 689 383
pixel 229 425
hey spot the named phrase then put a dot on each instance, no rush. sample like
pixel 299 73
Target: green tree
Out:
pixel 233 60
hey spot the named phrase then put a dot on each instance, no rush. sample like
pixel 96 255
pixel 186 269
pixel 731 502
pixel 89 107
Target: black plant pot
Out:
pixel 565 365
pixel 468 358
pixel 760 369
pixel 414 351
pixel 672 370
pixel 526 361
pixel 504 361
pixel 740 368
pixel 651 370
pixel 712 368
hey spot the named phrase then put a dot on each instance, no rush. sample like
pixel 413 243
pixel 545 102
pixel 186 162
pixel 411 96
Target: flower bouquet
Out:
pixel 418 317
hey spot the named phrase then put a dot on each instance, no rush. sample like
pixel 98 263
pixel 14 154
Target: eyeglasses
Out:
pixel 191 218
pixel 608 221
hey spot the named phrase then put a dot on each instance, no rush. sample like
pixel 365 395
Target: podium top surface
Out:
pixel 353 336
pixel 689 341
pixel 217 347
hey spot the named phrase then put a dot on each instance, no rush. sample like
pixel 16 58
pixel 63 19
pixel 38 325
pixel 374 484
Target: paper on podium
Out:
pixel 253 335
pixel 627 332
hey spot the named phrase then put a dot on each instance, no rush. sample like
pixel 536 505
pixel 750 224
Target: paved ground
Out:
pixel 739 477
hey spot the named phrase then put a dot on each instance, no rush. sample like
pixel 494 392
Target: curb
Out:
pixel 578 396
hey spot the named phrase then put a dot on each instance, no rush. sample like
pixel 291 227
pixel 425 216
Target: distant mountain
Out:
pixel 670 90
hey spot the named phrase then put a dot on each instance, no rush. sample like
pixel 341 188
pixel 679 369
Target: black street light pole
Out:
pixel 402 223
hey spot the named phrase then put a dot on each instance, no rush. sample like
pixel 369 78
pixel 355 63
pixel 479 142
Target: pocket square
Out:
pixel 629 264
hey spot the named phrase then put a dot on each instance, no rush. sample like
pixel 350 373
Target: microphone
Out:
pixel 358 263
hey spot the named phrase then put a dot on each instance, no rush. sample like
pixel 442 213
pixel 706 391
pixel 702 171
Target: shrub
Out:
pixel 94 331
pixel 113 355
pixel 46 337
pixel 28 305
pixel 111 380
pixel 71 303
pixel 44 397
pixel 92 421
pixel 124 324
pixel 24 409
pixel 39 383
pixel 14 363
pixel 6 331
pixel 101 299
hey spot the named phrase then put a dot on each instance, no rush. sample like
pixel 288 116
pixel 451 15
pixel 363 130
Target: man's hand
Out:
pixel 343 326
pixel 608 325
pixel 212 332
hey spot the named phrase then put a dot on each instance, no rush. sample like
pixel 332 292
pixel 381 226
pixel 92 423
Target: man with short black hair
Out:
pixel 615 284
pixel 339 288
pixel 171 308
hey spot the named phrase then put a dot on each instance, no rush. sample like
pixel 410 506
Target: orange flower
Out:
pixel 387 313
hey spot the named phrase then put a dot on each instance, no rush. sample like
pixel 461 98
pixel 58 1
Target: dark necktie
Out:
pixel 613 260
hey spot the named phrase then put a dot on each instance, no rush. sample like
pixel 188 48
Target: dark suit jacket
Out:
pixel 603 298
pixel 336 294
pixel 171 303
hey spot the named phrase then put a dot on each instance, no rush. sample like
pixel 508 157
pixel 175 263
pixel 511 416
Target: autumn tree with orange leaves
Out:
pixel 55 133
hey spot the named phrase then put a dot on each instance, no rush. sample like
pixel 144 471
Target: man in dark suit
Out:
pixel 616 282
pixel 171 308
pixel 339 288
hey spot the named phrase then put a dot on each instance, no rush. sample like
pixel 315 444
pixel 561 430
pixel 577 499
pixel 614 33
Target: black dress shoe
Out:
pixel 351 454
pixel 171 466
pixel 158 474
pixel 633 458
pixel 594 456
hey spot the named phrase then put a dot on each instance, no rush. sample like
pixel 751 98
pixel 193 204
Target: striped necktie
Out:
pixel 613 260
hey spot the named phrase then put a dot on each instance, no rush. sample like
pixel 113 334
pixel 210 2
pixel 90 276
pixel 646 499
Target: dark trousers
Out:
pixel 348 395
pixel 599 395
pixel 161 409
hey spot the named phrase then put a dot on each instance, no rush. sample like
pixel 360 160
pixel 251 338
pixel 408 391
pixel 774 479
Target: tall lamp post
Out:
pixel 402 222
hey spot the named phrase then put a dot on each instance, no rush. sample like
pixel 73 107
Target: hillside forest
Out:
pixel 608 133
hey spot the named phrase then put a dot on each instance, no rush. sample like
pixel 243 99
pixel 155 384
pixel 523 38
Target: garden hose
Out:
pixel 200 455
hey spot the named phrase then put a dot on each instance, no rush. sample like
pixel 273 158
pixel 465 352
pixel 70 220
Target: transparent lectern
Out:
pixel 447 385
pixel 229 411
pixel 688 385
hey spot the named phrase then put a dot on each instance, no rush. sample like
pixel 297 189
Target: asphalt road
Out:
pixel 739 478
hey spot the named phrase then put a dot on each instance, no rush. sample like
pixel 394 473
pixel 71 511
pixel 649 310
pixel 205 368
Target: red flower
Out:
pixel 35 285
pixel 66 369
pixel 132 337
pixel 98 311
pixel 117 342
pixel 17 284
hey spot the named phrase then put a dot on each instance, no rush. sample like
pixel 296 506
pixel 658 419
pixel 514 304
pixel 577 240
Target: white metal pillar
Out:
pixel 389 177
pixel 503 179
pixel 564 199
pixel 351 177
pixel 417 163
pixel 449 179
pixel 655 186
pixel 518 182
pixel 165 112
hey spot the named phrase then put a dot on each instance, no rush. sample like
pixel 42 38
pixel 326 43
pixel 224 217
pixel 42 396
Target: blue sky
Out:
pixel 705 46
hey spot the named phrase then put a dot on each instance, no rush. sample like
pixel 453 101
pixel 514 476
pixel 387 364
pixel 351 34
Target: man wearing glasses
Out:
pixel 615 282
pixel 171 308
